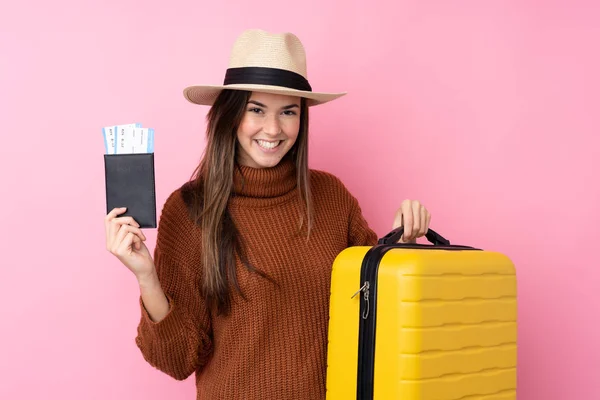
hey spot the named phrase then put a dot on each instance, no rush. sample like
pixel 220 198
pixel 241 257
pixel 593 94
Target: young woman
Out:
pixel 238 289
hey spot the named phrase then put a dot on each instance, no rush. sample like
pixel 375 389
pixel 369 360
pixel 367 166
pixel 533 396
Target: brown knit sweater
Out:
pixel 274 344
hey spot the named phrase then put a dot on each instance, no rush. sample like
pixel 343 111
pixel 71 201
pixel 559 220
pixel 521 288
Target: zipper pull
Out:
pixel 365 286
pixel 365 289
pixel 366 297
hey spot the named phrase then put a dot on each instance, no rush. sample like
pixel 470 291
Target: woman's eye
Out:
pixel 289 112
pixel 255 110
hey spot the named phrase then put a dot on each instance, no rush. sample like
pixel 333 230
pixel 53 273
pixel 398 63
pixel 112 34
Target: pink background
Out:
pixel 486 111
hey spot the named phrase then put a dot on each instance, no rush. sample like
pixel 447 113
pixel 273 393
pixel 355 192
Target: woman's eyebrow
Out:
pixel 264 106
pixel 257 103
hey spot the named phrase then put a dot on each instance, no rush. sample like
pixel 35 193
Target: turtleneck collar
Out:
pixel 265 183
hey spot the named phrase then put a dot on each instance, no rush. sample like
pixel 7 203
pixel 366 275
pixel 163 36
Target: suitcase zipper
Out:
pixel 368 311
pixel 365 288
pixel 366 332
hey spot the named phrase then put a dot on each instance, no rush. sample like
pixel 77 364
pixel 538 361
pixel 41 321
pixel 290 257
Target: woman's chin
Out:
pixel 267 160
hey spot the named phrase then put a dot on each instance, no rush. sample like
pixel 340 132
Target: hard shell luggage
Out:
pixel 420 321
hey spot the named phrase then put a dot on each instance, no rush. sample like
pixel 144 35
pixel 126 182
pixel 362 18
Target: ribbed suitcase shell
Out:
pixel 445 325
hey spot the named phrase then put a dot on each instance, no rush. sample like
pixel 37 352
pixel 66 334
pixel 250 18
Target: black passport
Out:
pixel 130 183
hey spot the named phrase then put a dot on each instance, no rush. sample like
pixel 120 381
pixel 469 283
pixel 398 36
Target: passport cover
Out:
pixel 129 180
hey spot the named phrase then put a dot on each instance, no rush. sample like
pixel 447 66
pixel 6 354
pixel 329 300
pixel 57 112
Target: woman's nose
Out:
pixel 272 126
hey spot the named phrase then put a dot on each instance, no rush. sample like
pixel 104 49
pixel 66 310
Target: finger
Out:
pixel 137 242
pixel 114 225
pixel 130 242
pixel 397 219
pixel 109 217
pixel 113 234
pixel 125 229
pixel 118 238
pixel 117 223
pixel 126 220
pixel 122 233
pixel 125 247
pixel 416 212
pixel 114 212
pixel 428 222
pixel 137 231
pixel 408 219
pixel 424 225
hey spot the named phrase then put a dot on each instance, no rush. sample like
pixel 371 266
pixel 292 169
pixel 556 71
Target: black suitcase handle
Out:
pixel 435 238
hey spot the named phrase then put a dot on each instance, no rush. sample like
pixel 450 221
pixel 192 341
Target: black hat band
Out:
pixel 266 76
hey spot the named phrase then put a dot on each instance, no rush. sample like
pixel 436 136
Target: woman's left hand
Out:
pixel 415 218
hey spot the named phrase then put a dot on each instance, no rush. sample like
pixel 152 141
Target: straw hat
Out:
pixel 264 62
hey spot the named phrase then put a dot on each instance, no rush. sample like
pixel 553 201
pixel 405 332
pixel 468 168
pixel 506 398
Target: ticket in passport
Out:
pixel 128 139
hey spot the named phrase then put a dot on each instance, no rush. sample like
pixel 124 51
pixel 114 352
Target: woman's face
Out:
pixel 268 129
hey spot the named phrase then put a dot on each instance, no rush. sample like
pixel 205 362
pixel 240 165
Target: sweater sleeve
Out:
pixel 180 343
pixel 359 233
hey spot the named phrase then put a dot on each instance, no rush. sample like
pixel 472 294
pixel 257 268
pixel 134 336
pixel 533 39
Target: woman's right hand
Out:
pixel 125 240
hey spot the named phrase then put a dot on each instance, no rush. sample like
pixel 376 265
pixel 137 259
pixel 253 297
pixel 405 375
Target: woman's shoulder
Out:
pixel 323 178
pixel 178 202
pixel 176 217
pixel 327 184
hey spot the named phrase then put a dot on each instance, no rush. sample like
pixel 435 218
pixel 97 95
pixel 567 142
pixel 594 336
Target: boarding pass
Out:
pixel 128 139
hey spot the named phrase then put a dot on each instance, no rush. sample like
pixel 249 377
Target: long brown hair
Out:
pixel 212 185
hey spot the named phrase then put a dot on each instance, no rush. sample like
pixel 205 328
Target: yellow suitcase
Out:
pixel 421 321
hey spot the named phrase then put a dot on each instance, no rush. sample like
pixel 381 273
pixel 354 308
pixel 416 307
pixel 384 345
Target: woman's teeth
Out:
pixel 268 145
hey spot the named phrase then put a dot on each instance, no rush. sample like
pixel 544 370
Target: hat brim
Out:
pixel 207 94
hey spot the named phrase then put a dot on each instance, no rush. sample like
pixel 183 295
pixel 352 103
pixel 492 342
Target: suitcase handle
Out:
pixel 435 238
